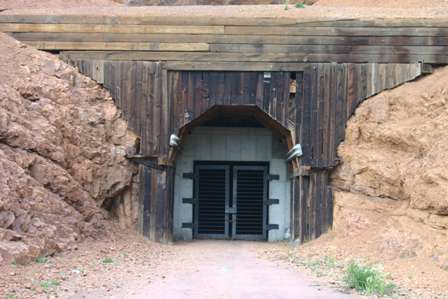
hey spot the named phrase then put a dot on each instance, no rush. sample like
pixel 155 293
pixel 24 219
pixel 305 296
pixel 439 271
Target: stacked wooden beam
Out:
pixel 232 39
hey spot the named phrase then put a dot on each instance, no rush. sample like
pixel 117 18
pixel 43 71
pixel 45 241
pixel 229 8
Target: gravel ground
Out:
pixel 131 267
pixel 103 265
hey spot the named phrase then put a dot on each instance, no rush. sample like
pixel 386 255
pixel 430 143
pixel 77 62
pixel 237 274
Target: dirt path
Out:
pixel 220 269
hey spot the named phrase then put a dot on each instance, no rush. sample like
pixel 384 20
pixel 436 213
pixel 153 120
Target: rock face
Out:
pixel 62 153
pixel 391 191
pixel 397 147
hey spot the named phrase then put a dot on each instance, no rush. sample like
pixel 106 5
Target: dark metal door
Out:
pixel 249 197
pixel 212 195
pixel 230 202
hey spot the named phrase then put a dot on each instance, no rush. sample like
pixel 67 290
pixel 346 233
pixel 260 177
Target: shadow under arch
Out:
pixel 233 116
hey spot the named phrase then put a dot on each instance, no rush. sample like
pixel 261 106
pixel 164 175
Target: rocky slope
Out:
pixel 62 148
pixel 397 147
pixel 391 191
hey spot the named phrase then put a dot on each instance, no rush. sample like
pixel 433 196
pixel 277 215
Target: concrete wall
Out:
pixel 233 144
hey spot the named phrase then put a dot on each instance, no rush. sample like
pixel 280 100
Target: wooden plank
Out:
pixel 166 113
pixel 112 28
pixel 178 19
pixel 327 49
pixel 332 120
pixel 169 206
pixel 341 106
pixel 326 114
pixel 253 57
pixel 304 205
pixel 309 80
pixel 330 206
pixel 335 31
pixel 317 208
pixel 231 66
pixel 228 30
pixel 160 202
pixel 116 46
pixel 156 102
pixel 232 39
pixel 143 109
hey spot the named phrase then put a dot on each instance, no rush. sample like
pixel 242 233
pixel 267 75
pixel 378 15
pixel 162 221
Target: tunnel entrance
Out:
pixel 232 178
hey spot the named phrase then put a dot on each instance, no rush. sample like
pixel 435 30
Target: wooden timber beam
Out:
pixel 142 19
pixel 253 57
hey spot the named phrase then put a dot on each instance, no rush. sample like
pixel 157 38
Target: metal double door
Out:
pixel 230 202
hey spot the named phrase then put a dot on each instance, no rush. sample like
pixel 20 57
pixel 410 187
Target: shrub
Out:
pixel 367 280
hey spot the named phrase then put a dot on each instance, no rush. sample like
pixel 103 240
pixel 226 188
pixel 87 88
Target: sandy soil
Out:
pixel 223 269
pixel 127 266
pixel 32 4
pixel 384 3
pixel 102 265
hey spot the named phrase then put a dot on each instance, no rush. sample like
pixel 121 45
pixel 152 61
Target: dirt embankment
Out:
pixel 32 4
pixel 62 148
pixel 383 3
pixel 391 198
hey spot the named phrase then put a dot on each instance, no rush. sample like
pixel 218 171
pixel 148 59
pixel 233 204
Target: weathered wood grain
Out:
pixel 112 28
pixel 232 39
pixel 253 57
pixel 119 46
pixel 321 21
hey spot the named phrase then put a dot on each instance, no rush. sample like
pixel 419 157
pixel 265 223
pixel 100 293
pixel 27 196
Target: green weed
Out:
pixel 367 280
pixel 42 260
pixel 330 262
pixel 300 5
pixel 11 296
pixel 107 261
pixel 49 284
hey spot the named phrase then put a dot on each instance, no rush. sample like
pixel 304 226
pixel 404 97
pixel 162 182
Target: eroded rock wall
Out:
pixel 397 147
pixel 391 191
pixel 62 153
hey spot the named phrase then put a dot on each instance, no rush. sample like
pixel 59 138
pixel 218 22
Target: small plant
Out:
pixel 49 284
pixel 42 260
pixel 14 263
pixel 107 261
pixel 367 280
pixel 11 296
pixel 330 262
pixel 300 5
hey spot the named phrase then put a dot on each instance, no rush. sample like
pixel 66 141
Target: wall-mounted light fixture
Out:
pixel 174 140
pixel 295 152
